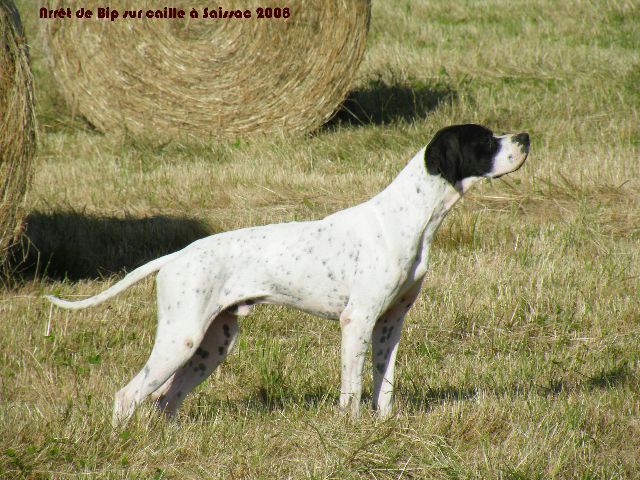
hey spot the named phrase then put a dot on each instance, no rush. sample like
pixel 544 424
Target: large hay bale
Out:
pixel 209 77
pixel 17 125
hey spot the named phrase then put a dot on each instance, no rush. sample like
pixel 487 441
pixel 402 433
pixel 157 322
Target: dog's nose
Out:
pixel 522 139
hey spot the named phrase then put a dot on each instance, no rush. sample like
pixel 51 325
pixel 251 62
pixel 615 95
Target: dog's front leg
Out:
pixel 356 336
pixel 384 348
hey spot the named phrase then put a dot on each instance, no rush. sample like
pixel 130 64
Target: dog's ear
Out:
pixel 443 157
pixel 461 151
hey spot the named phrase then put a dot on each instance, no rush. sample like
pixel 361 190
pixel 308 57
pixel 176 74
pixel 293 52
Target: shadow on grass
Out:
pixel 621 374
pixel 413 399
pixel 381 103
pixel 258 402
pixel 310 400
pixel 77 246
pixel 269 402
pixel 417 400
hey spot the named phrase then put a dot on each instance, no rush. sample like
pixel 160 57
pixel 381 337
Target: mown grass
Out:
pixel 521 358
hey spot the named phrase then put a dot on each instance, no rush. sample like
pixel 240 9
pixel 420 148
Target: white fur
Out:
pixel 509 158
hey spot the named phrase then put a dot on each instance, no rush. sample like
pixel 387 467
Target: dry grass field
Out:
pixel 521 359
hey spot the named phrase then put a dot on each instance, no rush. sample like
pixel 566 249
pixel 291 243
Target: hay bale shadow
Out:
pixel 75 246
pixel 380 103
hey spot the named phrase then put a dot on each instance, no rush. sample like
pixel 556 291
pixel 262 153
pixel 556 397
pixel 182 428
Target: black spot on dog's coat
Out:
pixel 202 353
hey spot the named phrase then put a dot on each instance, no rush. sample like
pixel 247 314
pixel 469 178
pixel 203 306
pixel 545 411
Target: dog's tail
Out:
pixel 131 278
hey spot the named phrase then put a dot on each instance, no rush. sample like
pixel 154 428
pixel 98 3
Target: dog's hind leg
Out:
pixel 173 347
pixel 215 346
pixel 182 323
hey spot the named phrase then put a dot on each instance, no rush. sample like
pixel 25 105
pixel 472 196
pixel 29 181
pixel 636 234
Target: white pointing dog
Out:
pixel 363 265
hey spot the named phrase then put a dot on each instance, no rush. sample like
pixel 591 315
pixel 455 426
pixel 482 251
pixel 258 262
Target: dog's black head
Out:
pixel 463 151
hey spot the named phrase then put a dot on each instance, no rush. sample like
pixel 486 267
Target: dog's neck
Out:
pixel 417 198
pixel 414 205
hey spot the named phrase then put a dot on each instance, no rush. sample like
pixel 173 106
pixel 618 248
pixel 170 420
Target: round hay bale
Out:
pixel 211 77
pixel 17 125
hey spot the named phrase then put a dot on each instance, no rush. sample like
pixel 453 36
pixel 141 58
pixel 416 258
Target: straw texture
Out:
pixel 17 125
pixel 209 77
